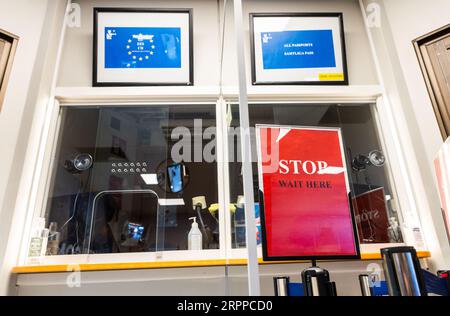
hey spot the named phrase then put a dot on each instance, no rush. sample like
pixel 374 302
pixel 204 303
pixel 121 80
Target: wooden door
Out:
pixel 8 45
pixel 5 48
pixel 434 55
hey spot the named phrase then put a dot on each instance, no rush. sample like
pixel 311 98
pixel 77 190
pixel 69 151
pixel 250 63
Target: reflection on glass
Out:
pixel 175 177
pixel 115 185
pixel 123 221
pixel 372 195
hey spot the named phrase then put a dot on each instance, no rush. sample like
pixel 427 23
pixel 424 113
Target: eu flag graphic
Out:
pixel 142 47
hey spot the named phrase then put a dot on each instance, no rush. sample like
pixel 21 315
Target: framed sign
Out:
pixel 142 47
pixel 306 212
pixel 298 48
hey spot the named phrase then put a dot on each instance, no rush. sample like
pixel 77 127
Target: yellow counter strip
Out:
pixel 375 256
pixel 164 264
pixel 364 256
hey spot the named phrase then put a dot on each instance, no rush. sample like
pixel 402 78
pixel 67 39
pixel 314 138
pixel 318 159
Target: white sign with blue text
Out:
pixel 298 49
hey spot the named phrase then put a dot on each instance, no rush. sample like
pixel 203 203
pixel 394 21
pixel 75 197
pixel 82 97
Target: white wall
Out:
pixel 408 20
pixel 401 22
pixel 76 67
pixel 24 19
pixel 28 89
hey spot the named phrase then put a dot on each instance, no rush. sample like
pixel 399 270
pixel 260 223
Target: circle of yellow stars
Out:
pixel 140 58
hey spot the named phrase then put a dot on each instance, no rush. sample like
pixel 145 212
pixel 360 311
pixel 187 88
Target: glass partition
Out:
pixel 373 195
pixel 131 179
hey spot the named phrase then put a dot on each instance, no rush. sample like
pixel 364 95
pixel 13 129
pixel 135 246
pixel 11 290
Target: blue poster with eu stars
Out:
pixel 298 49
pixel 142 47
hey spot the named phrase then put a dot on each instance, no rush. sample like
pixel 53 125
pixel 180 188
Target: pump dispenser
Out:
pixel 195 238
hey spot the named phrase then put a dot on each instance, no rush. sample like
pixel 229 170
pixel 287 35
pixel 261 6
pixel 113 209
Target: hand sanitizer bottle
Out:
pixel 38 242
pixel 195 238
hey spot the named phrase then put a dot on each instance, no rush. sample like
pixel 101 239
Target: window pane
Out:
pixel 373 197
pixel 136 196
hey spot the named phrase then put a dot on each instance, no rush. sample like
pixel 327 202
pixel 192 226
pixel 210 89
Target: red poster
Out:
pixel 442 168
pixel 307 212
pixel 372 217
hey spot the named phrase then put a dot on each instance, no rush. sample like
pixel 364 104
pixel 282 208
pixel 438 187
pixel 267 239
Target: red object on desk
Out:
pixel 372 216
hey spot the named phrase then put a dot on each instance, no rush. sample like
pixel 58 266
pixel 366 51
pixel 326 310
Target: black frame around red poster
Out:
pixel 268 257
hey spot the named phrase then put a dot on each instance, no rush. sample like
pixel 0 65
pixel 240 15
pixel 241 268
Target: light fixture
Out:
pixel 375 158
pixel 79 164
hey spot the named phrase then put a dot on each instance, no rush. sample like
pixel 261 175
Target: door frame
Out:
pixel 439 107
pixel 12 41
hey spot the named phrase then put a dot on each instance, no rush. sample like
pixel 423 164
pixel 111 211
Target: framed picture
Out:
pixel 142 47
pixel 298 49
pixel 306 211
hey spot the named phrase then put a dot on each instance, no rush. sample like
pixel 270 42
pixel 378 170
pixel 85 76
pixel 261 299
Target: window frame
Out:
pixel 43 170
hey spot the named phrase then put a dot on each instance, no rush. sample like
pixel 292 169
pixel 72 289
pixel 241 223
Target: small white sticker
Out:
pixel 150 179
pixel 171 202
pixel 229 115
pixel 418 238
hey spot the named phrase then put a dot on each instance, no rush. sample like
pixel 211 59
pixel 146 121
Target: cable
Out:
pixel 81 189
pixel 73 207
pixel 76 245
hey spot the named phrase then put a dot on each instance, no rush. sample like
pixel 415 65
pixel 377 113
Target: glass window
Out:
pixel 124 179
pixel 373 196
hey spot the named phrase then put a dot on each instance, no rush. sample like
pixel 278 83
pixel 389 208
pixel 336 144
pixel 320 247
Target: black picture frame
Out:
pixel 268 258
pixel 338 15
pixel 95 80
